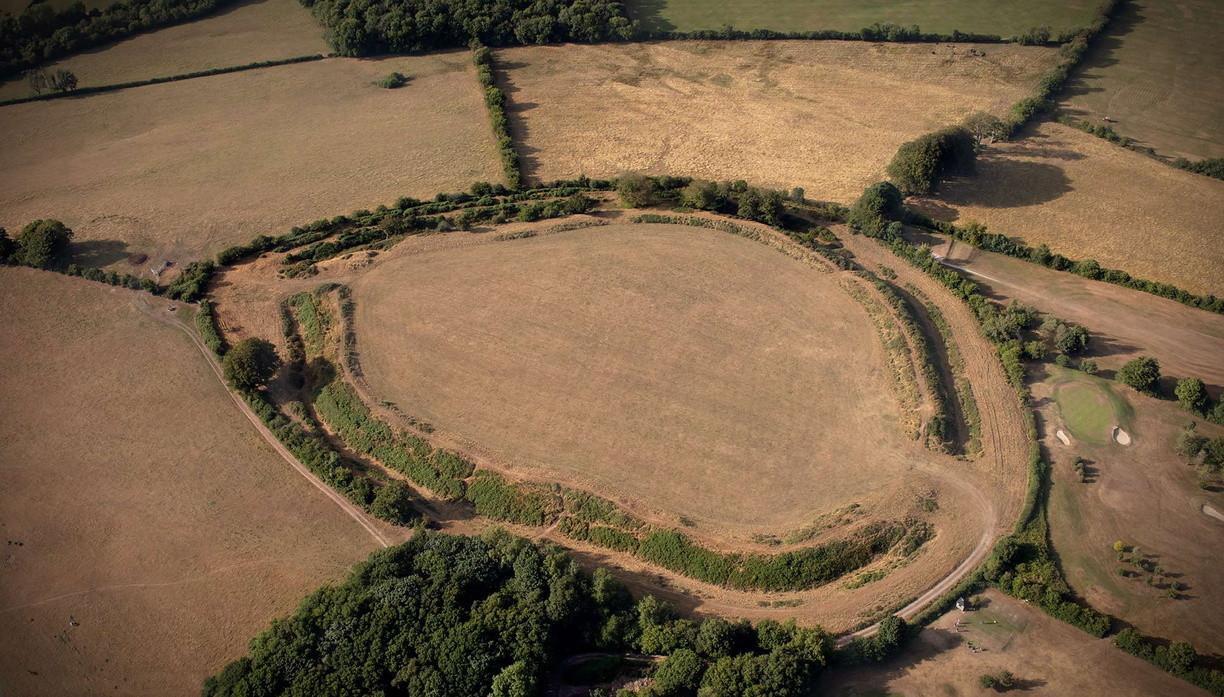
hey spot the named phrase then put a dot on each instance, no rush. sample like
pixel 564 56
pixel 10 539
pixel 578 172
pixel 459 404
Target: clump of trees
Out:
pixel 367 27
pixel 920 164
pixel 61 81
pixel 495 101
pixel 878 205
pixel 39 244
pixel 250 364
pixel 474 617
pixel 1210 167
pixel 1142 374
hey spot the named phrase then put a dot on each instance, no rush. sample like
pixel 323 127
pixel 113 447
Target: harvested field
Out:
pixel 1128 323
pixel 1158 75
pixel 149 531
pixel 1005 18
pixel 652 351
pixel 1089 199
pixel 1144 495
pixel 1048 657
pixel 824 115
pixel 246 32
pixel 181 170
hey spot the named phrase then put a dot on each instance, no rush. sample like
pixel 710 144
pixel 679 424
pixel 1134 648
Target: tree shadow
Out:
pixel 98 253
pixel 649 15
pixel 520 132
pixel 936 210
pixel 1012 183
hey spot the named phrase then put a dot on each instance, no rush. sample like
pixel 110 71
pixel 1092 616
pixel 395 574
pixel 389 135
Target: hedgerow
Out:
pixel 206 324
pixel 495 101
pixel 494 498
pixel 191 283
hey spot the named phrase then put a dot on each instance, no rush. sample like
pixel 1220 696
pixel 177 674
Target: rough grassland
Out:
pixel 1002 17
pixel 1146 495
pixel 1089 199
pixel 824 115
pixel 1050 658
pixel 184 169
pixel 1159 74
pixel 254 31
pixel 683 370
pixel 146 507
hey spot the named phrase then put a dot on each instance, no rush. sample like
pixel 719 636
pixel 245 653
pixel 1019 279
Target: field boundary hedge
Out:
pixel 114 87
pixel 495 101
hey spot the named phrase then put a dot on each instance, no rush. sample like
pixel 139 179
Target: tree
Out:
pixel 635 190
pixel 678 676
pixel 39 82
pixel 702 195
pixel 879 204
pixel 986 128
pixel 1071 339
pixel 915 167
pixel 515 681
pixel 63 81
pixel 1192 395
pixel 7 247
pixel 41 242
pixel 1141 374
pixel 393 502
pixel 250 364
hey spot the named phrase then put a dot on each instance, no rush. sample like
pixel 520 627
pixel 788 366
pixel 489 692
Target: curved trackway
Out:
pixel 355 513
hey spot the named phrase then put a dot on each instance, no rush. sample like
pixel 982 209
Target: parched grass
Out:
pixel 901 365
pixel 956 362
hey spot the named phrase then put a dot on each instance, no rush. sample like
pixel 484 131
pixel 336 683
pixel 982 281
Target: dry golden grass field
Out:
pixel 1159 75
pixel 138 502
pixel 826 116
pixel 184 169
pixel 1049 657
pixel 1088 198
pixel 1143 494
pixel 253 31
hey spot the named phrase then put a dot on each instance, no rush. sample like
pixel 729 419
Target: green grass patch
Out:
pixel 1088 405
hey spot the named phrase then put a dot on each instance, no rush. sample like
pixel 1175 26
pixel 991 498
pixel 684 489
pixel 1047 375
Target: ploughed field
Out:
pixel 148 529
pixel 824 115
pixel 182 170
pixel 674 368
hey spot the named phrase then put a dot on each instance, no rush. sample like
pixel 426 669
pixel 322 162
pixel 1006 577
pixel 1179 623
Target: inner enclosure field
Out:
pixel 146 507
pixel 824 115
pixel 182 170
pixel 680 369
pixel 1000 17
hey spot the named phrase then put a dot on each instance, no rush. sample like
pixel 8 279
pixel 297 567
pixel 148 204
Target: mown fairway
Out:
pixel 182 170
pixel 1089 199
pixel 244 33
pixel 1159 76
pixel 1003 18
pixel 138 502
pixel 826 115
pixel 653 364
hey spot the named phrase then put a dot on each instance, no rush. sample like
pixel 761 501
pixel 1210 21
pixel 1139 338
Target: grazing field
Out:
pixel 650 363
pixel 1048 657
pixel 1158 75
pixel 1089 199
pixel 825 115
pixel 1127 323
pixel 148 530
pixel 1143 495
pixel 247 32
pixel 1005 18
pixel 181 170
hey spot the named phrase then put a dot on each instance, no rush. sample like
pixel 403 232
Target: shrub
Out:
pixel 42 242
pixel 635 190
pixel 393 81
pixel 1142 374
pixel 250 364
pixel 393 502
pixel 1192 395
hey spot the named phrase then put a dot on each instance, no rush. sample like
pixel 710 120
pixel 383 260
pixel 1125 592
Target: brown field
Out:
pixel 1159 76
pixel 1187 341
pixel 1088 198
pixel 1143 494
pixel 181 170
pixel 138 502
pixel 1049 658
pixel 823 115
pixel 253 31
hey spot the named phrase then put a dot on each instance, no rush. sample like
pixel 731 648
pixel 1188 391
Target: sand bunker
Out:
pixel 1208 509
pixel 1121 437
pixel 1062 437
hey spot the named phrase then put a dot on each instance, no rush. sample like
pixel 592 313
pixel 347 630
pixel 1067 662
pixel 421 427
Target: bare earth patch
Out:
pixel 137 502
pixel 824 115
pixel 1089 199
pixel 247 32
pixel 185 169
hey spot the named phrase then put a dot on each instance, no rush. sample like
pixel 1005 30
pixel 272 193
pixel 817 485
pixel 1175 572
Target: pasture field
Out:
pixel 149 530
pixel 826 115
pixel 1144 495
pixel 1049 658
pixel 1158 74
pixel 649 363
pixel 1127 323
pixel 247 32
pixel 182 170
pixel 1090 199
pixel 1005 18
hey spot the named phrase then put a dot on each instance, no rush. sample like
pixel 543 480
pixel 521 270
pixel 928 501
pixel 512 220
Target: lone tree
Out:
pixel 250 364
pixel 1141 374
pixel 394 502
pixel 41 242
pixel 1192 395
pixel 879 204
